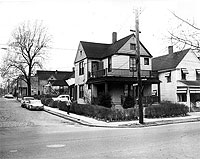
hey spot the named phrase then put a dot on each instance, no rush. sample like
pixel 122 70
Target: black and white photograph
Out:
pixel 99 79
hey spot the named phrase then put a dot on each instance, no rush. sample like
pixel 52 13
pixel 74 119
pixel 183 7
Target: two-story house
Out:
pixel 179 73
pixel 111 68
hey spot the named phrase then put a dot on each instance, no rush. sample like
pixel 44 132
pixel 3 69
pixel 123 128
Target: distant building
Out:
pixel 45 82
pixel 53 82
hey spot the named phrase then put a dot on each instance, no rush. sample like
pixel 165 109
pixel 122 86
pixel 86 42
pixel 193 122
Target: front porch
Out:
pixel 188 93
pixel 122 87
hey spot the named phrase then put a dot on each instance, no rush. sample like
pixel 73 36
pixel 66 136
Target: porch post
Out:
pixel 106 87
pixel 159 92
pixel 188 98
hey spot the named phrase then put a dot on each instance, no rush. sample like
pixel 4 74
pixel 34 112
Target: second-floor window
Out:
pixel 81 68
pixel 133 66
pixel 146 61
pixel 168 76
pixel 197 74
pixel 184 72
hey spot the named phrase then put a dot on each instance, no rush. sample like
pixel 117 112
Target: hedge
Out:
pixel 46 101
pixel 166 109
pixel 103 113
pixel 53 104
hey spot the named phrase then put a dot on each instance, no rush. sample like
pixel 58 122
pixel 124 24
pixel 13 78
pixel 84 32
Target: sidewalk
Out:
pixel 192 117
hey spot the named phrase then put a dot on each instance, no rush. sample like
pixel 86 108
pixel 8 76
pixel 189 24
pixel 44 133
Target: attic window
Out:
pixel 132 46
pixel 146 61
pixel 80 52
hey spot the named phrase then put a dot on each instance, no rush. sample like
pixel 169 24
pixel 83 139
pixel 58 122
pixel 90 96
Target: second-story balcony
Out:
pixel 121 73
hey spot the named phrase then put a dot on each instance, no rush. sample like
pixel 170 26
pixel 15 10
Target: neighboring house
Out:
pixel 53 82
pixel 111 68
pixel 21 86
pixel 179 73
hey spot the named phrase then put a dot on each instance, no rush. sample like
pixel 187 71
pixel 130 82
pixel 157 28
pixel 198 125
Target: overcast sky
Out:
pixel 71 21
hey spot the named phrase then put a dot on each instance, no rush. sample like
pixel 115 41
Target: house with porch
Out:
pixel 179 73
pixel 53 82
pixel 111 68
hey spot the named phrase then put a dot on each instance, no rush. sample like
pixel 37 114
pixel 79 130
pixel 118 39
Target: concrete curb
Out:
pixel 79 121
pixel 133 125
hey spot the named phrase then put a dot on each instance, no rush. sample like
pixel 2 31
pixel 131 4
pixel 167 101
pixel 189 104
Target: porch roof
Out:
pixel 130 80
pixel 191 83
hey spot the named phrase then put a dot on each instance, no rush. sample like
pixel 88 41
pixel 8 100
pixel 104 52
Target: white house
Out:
pixel 111 68
pixel 179 73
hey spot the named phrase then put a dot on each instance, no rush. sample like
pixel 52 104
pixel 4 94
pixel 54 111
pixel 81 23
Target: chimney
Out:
pixel 170 49
pixel 114 37
pixel 73 69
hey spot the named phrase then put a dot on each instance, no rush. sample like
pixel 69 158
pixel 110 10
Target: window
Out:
pixel 182 97
pixel 126 90
pixel 109 64
pixel 132 66
pixel 81 92
pixel 81 68
pixel 146 61
pixel 132 46
pixel 184 71
pixel 197 74
pixel 168 76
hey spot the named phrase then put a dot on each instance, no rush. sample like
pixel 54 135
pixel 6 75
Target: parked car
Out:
pixel 25 101
pixel 10 96
pixel 63 98
pixel 35 105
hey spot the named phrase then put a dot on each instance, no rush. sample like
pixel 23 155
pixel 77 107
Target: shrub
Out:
pixel 166 109
pixel 62 106
pixel 129 102
pixel 53 104
pixel 105 100
pixel 48 100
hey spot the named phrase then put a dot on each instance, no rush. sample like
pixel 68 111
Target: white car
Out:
pixel 35 105
pixel 25 101
pixel 9 96
pixel 63 98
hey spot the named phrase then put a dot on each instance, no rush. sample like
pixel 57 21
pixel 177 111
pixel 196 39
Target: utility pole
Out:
pixel 141 120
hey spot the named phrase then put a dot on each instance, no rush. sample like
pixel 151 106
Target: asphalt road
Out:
pixel 69 140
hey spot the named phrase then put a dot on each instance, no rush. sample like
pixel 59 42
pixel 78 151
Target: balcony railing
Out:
pixel 120 73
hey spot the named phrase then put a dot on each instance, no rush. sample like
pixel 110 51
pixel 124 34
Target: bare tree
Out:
pixel 187 34
pixel 26 51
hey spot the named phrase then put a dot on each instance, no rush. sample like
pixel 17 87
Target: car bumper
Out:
pixel 36 107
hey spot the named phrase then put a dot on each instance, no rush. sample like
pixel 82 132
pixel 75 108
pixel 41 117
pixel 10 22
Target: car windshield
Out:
pixel 63 97
pixel 35 101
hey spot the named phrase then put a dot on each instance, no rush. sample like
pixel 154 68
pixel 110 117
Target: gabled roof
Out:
pixel 94 50
pixel 101 50
pixel 59 75
pixel 169 61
